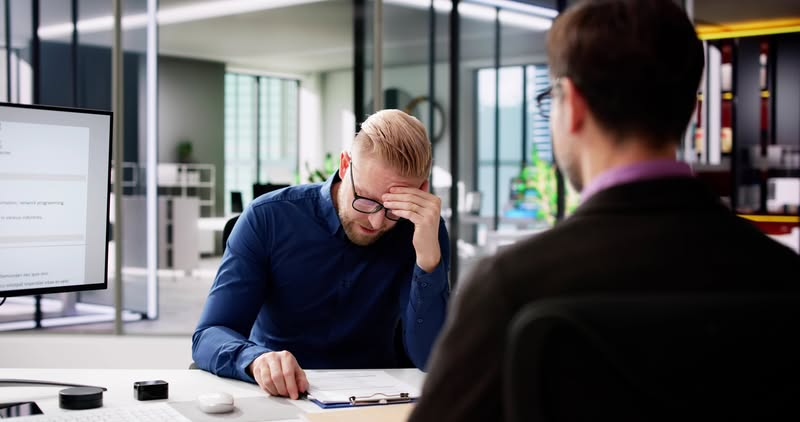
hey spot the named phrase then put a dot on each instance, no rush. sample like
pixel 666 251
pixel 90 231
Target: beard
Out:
pixel 350 224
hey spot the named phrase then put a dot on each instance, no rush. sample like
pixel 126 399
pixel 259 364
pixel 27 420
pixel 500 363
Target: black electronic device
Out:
pixel 13 410
pixel 80 398
pixel 150 390
pixel 237 205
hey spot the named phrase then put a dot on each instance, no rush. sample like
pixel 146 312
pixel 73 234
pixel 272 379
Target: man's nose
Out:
pixel 376 220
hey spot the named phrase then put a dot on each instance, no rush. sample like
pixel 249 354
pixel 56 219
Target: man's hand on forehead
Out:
pixel 423 209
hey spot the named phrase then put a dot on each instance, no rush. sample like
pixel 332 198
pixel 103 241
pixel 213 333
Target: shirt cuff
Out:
pixel 432 283
pixel 246 358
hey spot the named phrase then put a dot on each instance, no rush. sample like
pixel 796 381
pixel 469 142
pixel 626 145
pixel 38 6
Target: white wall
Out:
pixel 311 148
pixel 191 105
pixel 338 121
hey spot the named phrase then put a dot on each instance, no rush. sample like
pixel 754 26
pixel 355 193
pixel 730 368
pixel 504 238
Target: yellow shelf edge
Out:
pixel 771 218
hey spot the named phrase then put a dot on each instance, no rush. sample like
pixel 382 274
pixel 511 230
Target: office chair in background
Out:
pixel 262 188
pixel 226 231
pixel 693 356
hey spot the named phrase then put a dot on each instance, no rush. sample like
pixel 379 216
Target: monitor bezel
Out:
pixel 79 287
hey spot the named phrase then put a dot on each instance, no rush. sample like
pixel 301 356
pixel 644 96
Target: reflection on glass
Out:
pixel 3 70
pixel 56 80
pixel 21 59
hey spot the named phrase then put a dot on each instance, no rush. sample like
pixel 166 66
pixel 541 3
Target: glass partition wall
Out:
pixel 266 94
pixel 59 53
pixel 493 165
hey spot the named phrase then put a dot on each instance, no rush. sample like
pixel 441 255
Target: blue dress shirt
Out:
pixel 291 280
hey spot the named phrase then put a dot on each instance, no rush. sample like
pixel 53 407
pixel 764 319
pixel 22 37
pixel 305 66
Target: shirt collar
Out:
pixel 644 170
pixel 326 206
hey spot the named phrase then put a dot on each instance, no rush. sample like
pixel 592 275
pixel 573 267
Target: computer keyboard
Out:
pixel 150 412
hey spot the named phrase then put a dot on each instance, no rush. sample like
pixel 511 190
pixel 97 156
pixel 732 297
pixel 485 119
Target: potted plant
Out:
pixel 184 151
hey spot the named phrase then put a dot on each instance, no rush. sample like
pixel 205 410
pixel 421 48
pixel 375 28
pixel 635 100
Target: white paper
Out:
pixel 339 386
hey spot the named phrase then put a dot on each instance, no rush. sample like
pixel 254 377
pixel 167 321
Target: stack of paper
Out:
pixel 351 388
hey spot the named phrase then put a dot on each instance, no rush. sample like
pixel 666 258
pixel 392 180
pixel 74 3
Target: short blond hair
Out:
pixel 399 140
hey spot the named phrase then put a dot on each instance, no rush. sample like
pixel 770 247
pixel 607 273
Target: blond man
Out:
pixel 350 273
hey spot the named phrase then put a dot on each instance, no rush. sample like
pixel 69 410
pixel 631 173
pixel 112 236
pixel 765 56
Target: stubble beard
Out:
pixel 350 229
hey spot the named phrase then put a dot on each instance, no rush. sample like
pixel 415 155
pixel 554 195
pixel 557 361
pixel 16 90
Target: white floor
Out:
pixel 180 302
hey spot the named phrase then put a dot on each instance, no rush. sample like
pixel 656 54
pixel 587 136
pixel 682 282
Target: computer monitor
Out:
pixel 54 199
pixel 237 205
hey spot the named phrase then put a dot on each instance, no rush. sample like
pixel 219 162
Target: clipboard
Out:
pixel 375 399
pixel 348 389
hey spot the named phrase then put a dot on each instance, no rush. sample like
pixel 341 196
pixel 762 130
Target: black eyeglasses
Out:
pixel 543 101
pixel 366 205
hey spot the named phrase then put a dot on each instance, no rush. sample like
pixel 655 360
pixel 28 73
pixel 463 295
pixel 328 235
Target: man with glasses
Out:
pixel 350 273
pixel 625 75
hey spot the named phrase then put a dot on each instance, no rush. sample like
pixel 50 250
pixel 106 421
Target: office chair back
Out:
pixel 677 357
pixel 226 231
pixel 262 188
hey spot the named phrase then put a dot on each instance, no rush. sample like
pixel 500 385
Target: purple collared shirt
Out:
pixel 653 169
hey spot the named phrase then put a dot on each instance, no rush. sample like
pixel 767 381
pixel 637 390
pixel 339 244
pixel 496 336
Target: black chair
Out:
pixel 262 188
pixel 677 357
pixel 226 231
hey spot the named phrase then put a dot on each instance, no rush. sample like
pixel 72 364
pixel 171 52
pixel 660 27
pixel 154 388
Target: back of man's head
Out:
pixel 636 62
pixel 399 140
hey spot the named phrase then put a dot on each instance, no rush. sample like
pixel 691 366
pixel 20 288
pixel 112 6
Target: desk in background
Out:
pixel 184 385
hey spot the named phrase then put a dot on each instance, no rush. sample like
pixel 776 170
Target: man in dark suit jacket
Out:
pixel 625 75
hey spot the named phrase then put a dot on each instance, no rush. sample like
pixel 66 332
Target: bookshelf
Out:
pixel 744 137
pixel 189 181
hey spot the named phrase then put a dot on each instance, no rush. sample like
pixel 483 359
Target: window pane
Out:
pixel 261 131
pixel 510 100
pixel 487 96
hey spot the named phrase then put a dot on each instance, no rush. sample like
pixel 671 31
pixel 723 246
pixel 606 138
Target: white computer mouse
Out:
pixel 215 402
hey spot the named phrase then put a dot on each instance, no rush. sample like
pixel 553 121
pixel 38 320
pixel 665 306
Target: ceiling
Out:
pixel 722 12
pixel 290 39
pixel 318 35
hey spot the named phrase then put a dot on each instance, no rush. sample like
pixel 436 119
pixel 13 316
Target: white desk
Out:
pixel 184 385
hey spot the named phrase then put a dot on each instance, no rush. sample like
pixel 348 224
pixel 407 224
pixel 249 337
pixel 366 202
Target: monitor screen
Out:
pixel 54 199
pixel 237 205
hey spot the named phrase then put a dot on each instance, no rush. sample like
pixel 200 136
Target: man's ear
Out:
pixel 575 107
pixel 344 164
pixel 424 186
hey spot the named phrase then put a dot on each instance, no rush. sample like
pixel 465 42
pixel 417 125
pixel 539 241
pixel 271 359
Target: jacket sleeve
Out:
pixel 220 343
pixel 427 305
pixel 464 379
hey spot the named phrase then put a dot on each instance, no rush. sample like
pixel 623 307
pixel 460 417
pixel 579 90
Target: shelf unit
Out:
pixel 744 138
pixel 189 181
pixel 745 131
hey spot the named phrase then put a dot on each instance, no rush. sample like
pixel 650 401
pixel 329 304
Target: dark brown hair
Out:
pixel 636 62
